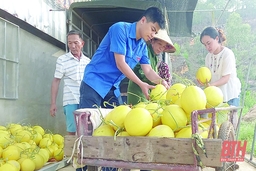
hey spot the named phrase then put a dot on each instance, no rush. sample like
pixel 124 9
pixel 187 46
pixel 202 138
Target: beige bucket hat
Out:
pixel 162 35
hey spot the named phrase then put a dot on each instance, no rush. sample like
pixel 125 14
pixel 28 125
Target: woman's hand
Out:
pixel 165 84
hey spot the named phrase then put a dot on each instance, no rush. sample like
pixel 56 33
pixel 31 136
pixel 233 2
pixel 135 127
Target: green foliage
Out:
pixel 248 100
pixel 247 9
pixel 246 133
pixel 177 47
pixel 243 35
pixel 185 54
pixel 222 115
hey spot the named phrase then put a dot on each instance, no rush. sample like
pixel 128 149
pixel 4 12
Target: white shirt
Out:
pixel 222 64
pixel 72 71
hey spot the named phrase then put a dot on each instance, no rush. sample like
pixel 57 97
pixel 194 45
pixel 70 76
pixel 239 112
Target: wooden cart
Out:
pixel 148 153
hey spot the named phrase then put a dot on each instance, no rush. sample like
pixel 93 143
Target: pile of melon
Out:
pixel 166 114
pixel 28 148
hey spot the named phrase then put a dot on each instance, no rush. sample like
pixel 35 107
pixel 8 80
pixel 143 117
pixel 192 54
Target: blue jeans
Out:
pixel 89 98
pixel 234 102
pixel 124 99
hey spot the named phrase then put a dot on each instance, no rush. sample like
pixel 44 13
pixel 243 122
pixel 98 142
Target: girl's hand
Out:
pixel 206 84
pixel 202 84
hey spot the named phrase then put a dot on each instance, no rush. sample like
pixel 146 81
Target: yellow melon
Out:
pixel 158 93
pixel 104 130
pixel 161 131
pixel 140 105
pixel 174 92
pixel 193 98
pixel 123 134
pixel 155 110
pixel 138 122
pixel 204 75
pixel 174 117
pixel 187 132
pixel 116 116
pixel 214 96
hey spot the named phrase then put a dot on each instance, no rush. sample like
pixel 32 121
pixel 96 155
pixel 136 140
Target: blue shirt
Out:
pixel 102 73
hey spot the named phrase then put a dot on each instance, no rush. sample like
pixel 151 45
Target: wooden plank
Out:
pixel 51 166
pixel 69 141
pixel 140 166
pixel 146 150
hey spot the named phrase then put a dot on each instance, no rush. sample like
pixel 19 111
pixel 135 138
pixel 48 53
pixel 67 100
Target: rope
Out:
pixel 78 142
pixel 199 142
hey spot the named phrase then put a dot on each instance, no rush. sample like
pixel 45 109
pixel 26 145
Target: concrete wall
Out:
pixel 36 68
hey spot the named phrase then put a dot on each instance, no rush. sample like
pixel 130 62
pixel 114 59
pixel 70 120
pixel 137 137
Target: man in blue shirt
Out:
pixel 121 49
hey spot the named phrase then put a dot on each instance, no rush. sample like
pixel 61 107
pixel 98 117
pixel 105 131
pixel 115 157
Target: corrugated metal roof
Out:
pixel 101 14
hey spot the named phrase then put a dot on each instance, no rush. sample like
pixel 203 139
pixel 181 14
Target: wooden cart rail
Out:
pixel 147 150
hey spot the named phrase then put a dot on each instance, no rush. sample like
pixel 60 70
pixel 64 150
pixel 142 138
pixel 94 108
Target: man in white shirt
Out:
pixel 69 67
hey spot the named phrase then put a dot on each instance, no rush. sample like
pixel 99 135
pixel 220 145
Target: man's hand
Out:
pixel 145 89
pixel 54 92
pixel 53 110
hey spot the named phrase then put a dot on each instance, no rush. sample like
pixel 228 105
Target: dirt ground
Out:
pixel 243 166
pixel 251 115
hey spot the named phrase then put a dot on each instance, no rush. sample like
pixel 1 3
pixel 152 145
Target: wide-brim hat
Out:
pixel 162 35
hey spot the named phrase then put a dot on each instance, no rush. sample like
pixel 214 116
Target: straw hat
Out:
pixel 162 35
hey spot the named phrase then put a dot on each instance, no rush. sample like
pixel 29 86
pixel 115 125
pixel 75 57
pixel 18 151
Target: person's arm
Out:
pixel 128 72
pixel 223 80
pixel 153 76
pixel 54 93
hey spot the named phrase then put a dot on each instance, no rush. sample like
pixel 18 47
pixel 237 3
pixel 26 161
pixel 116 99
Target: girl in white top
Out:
pixel 222 63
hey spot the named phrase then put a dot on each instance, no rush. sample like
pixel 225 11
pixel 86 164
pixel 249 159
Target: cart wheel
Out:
pixel 226 132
